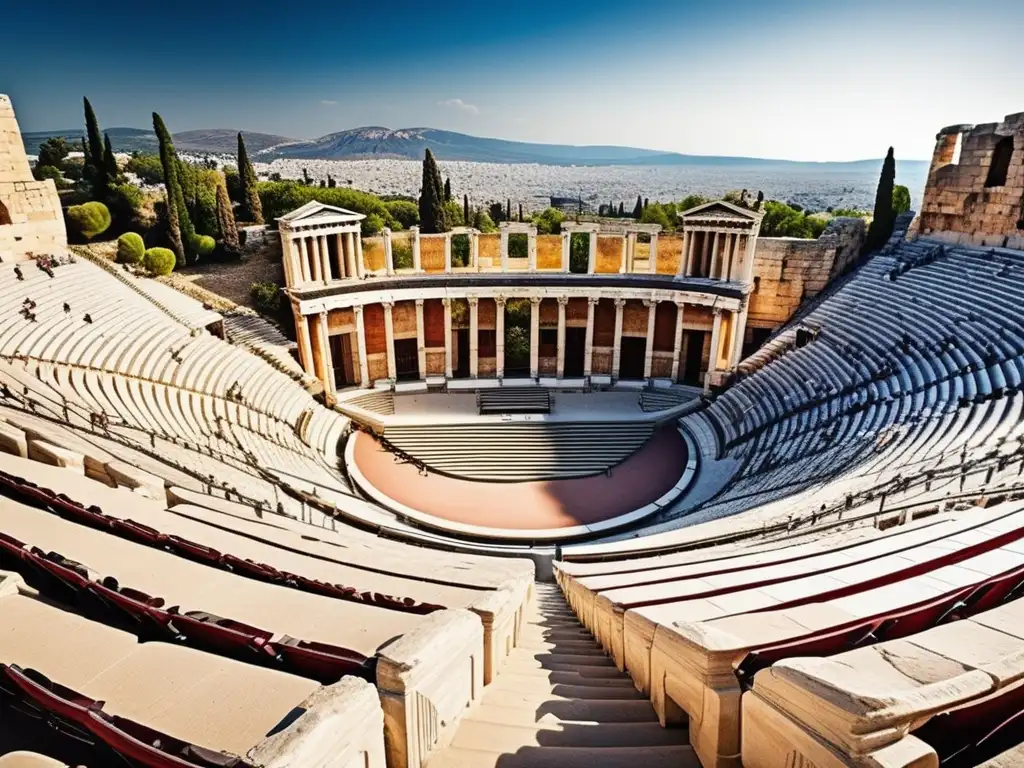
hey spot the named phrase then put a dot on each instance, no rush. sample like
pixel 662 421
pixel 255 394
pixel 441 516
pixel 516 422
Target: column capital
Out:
pixel 473 300
pixel 323 314
pixel 649 302
pixel 357 310
pixel 388 305
pixel 562 300
pixel 680 305
pixel 536 300
pixel 499 300
pixel 620 302
pixel 716 311
pixel 593 300
pixel 446 301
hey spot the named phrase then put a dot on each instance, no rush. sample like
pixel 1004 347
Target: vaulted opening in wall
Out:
pixel 518 245
pixel 579 252
pixel 460 251
pixel 5 215
pixel 1000 162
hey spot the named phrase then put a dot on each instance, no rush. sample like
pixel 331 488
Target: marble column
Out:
pixel 748 258
pixel 566 250
pixel 447 337
pixel 339 243
pixel 416 263
pixel 691 239
pixel 631 252
pixel 350 257
pixel 588 347
pixel 389 337
pixel 448 253
pixel 364 368
pixel 305 350
pixel 499 336
pixel 389 256
pixel 716 334
pixel 421 343
pixel 560 349
pixel 504 250
pixel 734 257
pixel 592 255
pixel 534 337
pixel 617 343
pixel 303 260
pixel 705 244
pixel 652 310
pixel 677 344
pixel 327 259
pixel 624 256
pixel 715 266
pixel 318 274
pixel 474 336
pixel 288 261
pixel 739 329
pixel 360 266
pixel 325 354
pixel 531 253
pixel 652 265
pixel 474 251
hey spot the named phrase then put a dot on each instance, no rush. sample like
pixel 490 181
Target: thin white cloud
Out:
pixel 328 102
pixel 461 105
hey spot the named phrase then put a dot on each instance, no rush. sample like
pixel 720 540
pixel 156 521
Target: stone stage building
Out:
pixel 677 313
pixel 31 222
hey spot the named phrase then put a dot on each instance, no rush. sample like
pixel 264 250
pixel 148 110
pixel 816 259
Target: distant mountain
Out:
pixel 409 143
pixel 212 140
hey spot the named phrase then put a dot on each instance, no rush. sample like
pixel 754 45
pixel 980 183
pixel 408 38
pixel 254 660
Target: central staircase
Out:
pixel 559 701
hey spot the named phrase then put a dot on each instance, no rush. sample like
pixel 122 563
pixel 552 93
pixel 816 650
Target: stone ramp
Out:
pixel 560 701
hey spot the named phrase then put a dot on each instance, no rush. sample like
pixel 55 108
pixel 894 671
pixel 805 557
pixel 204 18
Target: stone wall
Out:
pixel 31 221
pixel 975 189
pixel 788 270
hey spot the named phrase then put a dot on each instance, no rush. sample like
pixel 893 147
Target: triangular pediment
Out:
pixel 315 212
pixel 720 209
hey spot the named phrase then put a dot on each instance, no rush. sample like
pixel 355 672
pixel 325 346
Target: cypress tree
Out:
pixel 638 209
pixel 433 215
pixel 508 209
pixel 181 232
pixel 646 201
pixel 226 217
pixel 98 173
pixel 252 209
pixel 520 212
pixel 465 211
pixel 883 221
pixel 109 161
pixel 448 189
pixel 85 152
pixel 622 210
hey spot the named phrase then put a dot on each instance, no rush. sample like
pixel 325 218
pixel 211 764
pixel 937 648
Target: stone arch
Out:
pixel 5 215
pixel 1000 166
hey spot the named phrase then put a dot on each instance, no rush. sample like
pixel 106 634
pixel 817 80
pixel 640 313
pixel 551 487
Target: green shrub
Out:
pixel 372 225
pixel 404 212
pixel 126 202
pixel 281 197
pixel 203 245
pixel 401 255
pixel 130 248
pixel 460 250
pixel 159 261
pixel 89 219
pixel 147 167
pixel 266 296
pixel 43 172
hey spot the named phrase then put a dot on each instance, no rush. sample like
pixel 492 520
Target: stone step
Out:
pixel 540 687
pixel 576 647
pixel 566 678
pixel 544 660
pixel 534 709
pixel 529 668
pixel 568 757
pixel 538 699
pixel 492 737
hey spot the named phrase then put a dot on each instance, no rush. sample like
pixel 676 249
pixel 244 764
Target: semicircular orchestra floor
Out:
pixel 535 505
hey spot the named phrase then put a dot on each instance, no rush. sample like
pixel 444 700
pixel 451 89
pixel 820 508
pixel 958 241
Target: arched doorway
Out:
pixel 5 215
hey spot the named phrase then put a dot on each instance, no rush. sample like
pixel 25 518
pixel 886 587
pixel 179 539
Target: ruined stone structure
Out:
pixel 975 189
pixel 677 314
pixel 788 270
pixel 31 222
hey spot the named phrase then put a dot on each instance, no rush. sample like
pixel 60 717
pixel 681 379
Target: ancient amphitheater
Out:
pixel 653 540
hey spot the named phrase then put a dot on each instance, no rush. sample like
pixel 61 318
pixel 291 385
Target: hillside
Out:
pixel 212 140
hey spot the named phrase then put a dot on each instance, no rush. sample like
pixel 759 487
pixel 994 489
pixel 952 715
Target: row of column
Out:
pixel 308 257
pixel 318 358
pixel 715 254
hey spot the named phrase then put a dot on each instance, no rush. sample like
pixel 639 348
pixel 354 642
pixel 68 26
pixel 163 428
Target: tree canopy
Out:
pixel 433 214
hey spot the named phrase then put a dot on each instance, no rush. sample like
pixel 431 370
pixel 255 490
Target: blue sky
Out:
pixel 794 79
